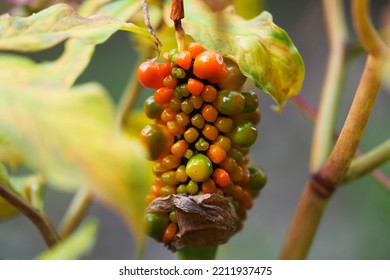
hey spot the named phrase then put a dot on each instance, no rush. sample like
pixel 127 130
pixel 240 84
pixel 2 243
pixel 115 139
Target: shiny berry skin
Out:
pixel 244 134
pixel 157 139
pixel 199 168
pixel 151 74
pixel 208 65
pixel 229 102
pixel 234 79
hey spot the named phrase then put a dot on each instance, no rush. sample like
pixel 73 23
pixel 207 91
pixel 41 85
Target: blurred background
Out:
pixel 356 224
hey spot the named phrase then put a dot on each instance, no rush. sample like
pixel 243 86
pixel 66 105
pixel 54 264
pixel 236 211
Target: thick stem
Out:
pixel 320 188
pixel 75 213
pixel 323 130
pixel 38 219
pixel 322 185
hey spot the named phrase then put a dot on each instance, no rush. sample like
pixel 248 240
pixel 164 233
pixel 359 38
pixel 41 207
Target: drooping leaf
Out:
pixel 55 24
pixel 263 50
pixel 68 135
pixel 75 246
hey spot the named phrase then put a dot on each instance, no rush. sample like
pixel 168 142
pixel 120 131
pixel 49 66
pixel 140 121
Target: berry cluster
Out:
pixel 204 127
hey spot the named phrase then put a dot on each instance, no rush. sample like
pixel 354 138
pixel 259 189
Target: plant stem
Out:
pixel 129 96
pixel 323 130
pixel 207 253
pixel 147 21
pixel 322 184
pixel 311 114
pixel 37 218
pixel 177 14
pixel 368 162
pixel 75 213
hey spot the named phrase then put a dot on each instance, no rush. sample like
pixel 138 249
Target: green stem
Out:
pixel 206 253
pixel 323 130
pixel 368 162
pixel 36 217
pixel 75 213
pixel 311 114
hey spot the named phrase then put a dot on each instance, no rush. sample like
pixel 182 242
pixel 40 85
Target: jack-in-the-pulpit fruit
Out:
pixel 204 126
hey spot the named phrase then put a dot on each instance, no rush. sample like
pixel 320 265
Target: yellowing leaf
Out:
pixel 69 136
pixel 122 9
pixel 263 51
pixel 55 24
pixel 75 246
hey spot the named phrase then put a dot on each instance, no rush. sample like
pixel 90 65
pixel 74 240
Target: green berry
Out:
pixel 192 187
pixel 244 134
pixel 169 178
pixel 199 168
pixel 257 180
pixel 251 101
pixel 201 144
pixel 182 189
pixel 229 102
pixel 156 223
pixel 152 109
pixel 173 217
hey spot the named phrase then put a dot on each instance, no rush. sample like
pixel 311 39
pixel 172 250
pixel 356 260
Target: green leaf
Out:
pixel 263 50
pixel 75 246
pixel 55 24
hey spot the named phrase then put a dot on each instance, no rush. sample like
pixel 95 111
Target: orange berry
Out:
pixel 170 82
pixel 169 233
pixel 156 190
pixel 246 200
pixel 238 192
pixel 208 65
pixel 179 148
pixel 194 86
pixel 168 114
pixel 163 95
pixel 210 132
pixel 151 74
pixel 195 49
pixel 175 128
pixel 221 177
pixel 209 93
pixel 209 186
pixel 216 154
pixel 209 113
pixel 184 60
